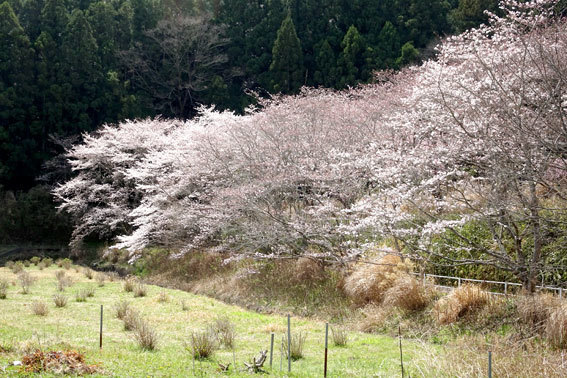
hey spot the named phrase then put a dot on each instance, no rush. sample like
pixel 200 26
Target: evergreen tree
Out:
pixel 18 148
pixel 352 57
pixel 287 59
pixel 327 71
pixel 388 46
pixel 409 55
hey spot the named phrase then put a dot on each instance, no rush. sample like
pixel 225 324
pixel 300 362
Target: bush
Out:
pixel 60 300
pixel 224 330
pixel 163 297
pixel 66 263
pixel 88 273
pixel 408 294
pixel 26 281
pixel 129 284
pixel 339 335
pixel 369 282
pixel 63 281
pixel 18 267
pixel 131 319
pixel 10 264
pixel 4 289
pixel 48 262
pixel 140 290
pixel 41 265
pixel 296 346
pixel 27 263
pixel 81 295
pixel 145 335
pixel 35 260
pixel 100 278
pixel 90 291
pixel 556 328
pixel 121 309
pixel 202 344
pixel 460 302
pixel 184 306
pixel 40 308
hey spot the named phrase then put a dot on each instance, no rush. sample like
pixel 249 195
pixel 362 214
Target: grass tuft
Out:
pixel 60 300
pixel 121 309
pixel 225 331
pixel 4 285
pixel 40 308
pixel 296 345
pixel 140 290
pixel 202 344
pixel 339 336
pixel 26 281
pixel 145 335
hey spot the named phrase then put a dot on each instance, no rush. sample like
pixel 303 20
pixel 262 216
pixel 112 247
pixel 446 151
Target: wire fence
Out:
pixel 493 287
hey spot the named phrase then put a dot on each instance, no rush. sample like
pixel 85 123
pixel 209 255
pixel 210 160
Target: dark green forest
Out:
pixel 68 66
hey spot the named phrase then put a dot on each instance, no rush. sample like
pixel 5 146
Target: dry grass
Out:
pixel 62 280
pixel 4 285
pixel 556 327
pixel 463 300
pixel 308 270
pixel 145 335
pixel 112 276
pixel 88 272
pixel 26 281
pixel 468 357
pixel 129 284
pixel 100 279
pixel 18 267
pixel 368 283
pixel 296 345
pixel 408 294
pixel 534 310
pixel 140 290
pixel 60 300
pixel 202 344
pixel 225 331
pixel 40 308
pixel 163 297
pixel 81 295
pixel 121 309
pixel 131 319
pixel 339 336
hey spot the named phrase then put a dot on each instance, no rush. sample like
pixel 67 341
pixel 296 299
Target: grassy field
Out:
pixel 76 327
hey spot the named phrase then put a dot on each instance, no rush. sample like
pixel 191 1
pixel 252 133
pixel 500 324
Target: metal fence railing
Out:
pixel 506 288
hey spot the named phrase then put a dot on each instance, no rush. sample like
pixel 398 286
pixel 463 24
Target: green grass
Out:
pixel 76 326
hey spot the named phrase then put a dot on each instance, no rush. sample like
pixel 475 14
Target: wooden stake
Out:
pixel 271 348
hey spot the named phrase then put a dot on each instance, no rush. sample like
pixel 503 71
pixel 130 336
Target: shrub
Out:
pixel 81 295
pixel 296 345
pixel 145 335
pixel 35 260
pixel 88 273
pixel 40 308
pixel 129 284
pixel 339 335
pixel 60 300
pixel 224 330
pixel 202 344
pixel 18 267
pixel 369 282
pixel 26 281
pixel 140 290
pixel 48 262
pixel 66 263
pixel 100 278
pixel 63 281
pixel 27 263
pixel 4 289
pixel 408 294
pixel 463 300
pixel 131 319
pixel 556 328
pixel 184 306
pixel 112 276
pixel 41 265
pixel 121 309
pixel 60 274
pixel 90 291
pixel 163 297
pixel 10 264
pixel 534 310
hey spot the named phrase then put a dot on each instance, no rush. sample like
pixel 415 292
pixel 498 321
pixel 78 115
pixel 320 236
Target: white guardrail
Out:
pixel 506 285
